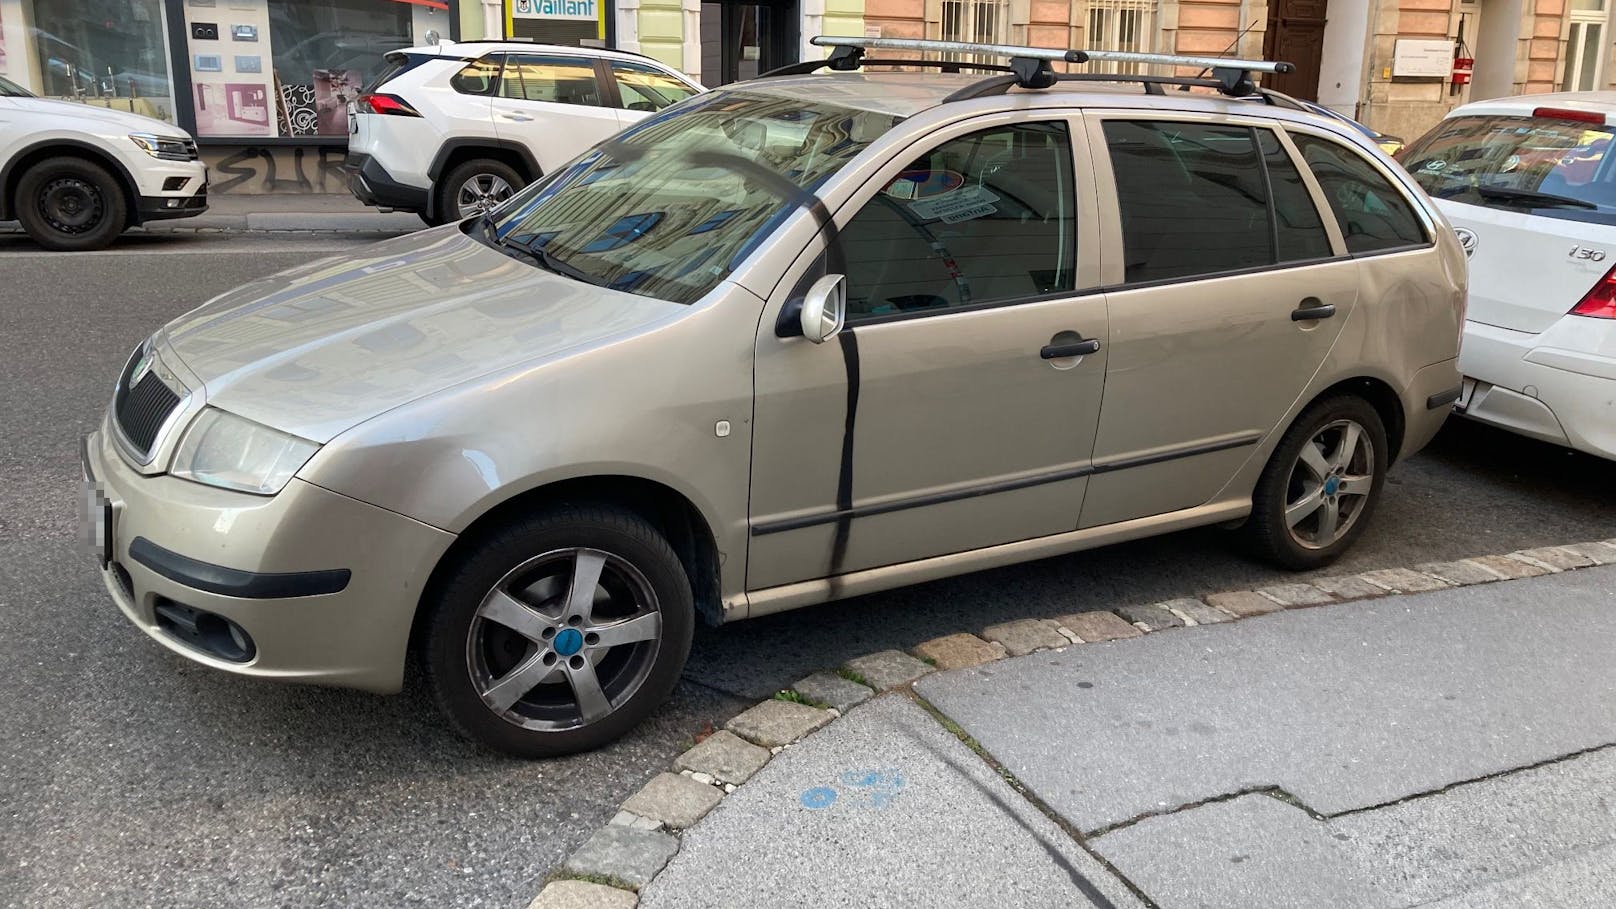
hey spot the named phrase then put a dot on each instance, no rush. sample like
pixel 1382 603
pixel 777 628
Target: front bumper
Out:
pixel 1558 386
pixel 167 189
pixel 324 587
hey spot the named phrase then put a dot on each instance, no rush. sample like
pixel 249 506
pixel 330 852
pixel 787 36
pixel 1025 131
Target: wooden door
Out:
pixel 1295 35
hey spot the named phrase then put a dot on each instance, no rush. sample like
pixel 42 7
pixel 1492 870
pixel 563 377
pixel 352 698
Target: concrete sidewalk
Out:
pixel 1452 748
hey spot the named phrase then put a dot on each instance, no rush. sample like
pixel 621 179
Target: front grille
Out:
pixel 141 410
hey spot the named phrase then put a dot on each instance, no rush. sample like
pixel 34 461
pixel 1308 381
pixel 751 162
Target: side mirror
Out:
pixel 824 308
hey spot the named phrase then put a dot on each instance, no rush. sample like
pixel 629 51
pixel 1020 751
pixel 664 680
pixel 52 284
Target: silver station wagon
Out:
pixel 801 338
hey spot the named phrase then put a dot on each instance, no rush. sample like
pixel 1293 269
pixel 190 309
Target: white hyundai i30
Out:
pixel 1529 185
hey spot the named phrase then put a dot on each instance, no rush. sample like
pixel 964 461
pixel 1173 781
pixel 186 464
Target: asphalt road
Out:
pixel 130 778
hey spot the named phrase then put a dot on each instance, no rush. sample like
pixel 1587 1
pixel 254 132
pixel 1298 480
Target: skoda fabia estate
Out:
pixel 805 337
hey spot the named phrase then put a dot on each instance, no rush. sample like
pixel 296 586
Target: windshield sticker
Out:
pixel 924 183
pixel 963 204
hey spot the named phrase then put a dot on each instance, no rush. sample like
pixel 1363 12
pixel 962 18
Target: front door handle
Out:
pixel 1311 309
pixel 1072 349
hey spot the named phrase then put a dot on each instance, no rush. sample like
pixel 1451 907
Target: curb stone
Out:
pixel 642 837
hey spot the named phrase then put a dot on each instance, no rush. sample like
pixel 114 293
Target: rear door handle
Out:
pixel 1311 309
pixel 1072 349
pixel 512 116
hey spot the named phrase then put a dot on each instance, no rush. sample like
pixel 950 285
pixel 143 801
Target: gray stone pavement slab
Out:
pixel 1345 707
pixel 833 690
pixel 882 809
pixel 624 853
pixel 887 669
pixel 1534 835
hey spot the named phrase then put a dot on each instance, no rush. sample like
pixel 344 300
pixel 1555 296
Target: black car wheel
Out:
pixel 70 204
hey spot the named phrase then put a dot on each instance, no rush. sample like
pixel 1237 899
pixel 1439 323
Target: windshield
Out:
pixel 1554 168
pixel 9 89
pixel 660 212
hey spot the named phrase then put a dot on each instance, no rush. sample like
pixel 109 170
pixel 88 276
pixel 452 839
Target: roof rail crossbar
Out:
pixel 1031 65
pixel 948 66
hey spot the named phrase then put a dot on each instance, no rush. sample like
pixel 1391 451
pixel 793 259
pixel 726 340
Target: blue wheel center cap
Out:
pixel 1331 485
pixel 569 641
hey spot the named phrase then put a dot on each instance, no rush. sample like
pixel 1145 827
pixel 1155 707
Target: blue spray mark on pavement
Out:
pixel 866 789
pixel 817 798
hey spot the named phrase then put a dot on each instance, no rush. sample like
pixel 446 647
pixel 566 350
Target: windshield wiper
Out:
pixel 534 254
pixel 1506 194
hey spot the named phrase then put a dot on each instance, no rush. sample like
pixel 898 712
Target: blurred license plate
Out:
pixel 96 521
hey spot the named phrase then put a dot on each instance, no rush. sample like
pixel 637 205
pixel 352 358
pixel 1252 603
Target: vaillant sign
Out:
pixel 555 9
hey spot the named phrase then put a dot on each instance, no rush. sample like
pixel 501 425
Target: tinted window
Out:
pixel 563 80
pixel 1192 197
pixel 1301 230
pixel 674 210
pixel 982 218
pixel 478 77
pixel 1372 213
pixel 644 88
pixel 1552 168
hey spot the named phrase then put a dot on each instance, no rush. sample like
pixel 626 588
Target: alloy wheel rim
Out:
pixel 70 205
pixel 564 639
pixel 1330 484
pixel 481 193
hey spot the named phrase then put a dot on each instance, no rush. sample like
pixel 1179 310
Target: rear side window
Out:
pixel 562 80
pixel 1552 168
pixel 1374 215
pixel 394 65
pixel 477 77
pixel 1193 197
pixel 984 218
pixel 646 89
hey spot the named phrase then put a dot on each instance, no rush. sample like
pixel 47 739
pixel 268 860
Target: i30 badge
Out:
pixel 1467 239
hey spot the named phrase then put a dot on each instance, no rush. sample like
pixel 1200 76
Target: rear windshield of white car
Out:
pixel 668 209
pixel 1549 167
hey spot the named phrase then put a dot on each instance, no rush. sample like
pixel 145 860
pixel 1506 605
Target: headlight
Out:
pixel 222 449
pixel 165 147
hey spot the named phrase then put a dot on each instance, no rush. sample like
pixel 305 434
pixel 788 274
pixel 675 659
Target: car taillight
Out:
pixel 1600 301
pixel 1566 113
pixel 391 105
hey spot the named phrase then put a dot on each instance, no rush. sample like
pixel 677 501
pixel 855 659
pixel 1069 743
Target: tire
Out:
pixel 1310 479
pixel 524 692
pixel 454 193
pixel 70 204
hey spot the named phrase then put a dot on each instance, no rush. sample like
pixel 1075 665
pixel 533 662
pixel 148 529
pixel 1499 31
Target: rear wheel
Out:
pixel 70 204
pixel 474 187
pixel 559 633
pixel 1321 485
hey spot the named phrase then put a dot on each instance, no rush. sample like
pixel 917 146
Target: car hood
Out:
pixel 101 116
pixel 319 349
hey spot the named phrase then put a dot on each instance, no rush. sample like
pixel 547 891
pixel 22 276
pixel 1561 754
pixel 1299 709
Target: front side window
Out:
pixel 1550 167
pixel 477 77
pixel 1374 216
pixel 1192 198
pixel 562 80
pixel 644 88
pixel 676 201
pixel 984 218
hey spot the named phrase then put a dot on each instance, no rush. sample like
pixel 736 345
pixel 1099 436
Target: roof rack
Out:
pixel 1030 65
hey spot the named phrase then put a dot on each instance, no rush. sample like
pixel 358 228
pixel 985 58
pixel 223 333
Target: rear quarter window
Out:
pixel 1373 214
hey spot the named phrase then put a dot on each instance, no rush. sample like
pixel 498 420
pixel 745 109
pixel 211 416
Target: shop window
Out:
pixel 560 80
pixel 288 68
pixel 107 53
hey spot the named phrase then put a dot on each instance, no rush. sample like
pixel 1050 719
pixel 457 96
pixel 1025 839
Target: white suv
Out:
pixel 76 175
pixel 1529 184
pixel 452 130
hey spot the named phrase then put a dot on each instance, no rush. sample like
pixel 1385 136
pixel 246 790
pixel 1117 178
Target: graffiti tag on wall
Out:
pixel 262 169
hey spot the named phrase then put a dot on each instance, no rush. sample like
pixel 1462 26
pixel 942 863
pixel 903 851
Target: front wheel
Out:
pixel 69 204
pixel 1321 485
pixel 560 632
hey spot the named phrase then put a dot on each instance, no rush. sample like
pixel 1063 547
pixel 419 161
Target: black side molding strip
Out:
pixel 232 582
pixel 971 492
pixel 1443 399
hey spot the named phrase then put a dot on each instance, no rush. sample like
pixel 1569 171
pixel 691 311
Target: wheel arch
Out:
pixel 1381 396
pixel 45 149
pixel 667 509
